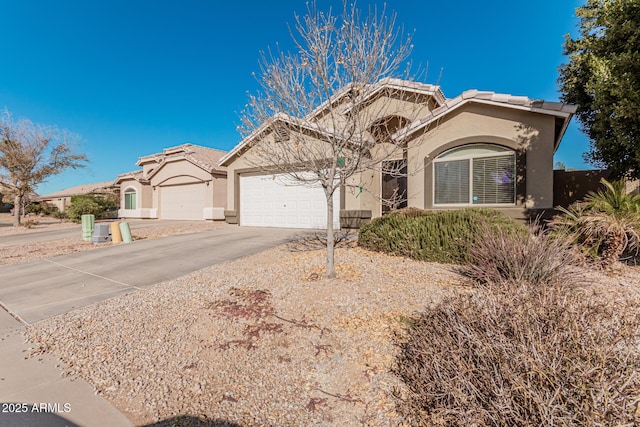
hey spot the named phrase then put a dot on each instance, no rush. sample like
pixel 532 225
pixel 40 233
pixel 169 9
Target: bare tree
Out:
pixel 29 154
pixel 335 107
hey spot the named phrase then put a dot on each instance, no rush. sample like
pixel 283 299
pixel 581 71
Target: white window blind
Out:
pixel 452 182
pixel 494 180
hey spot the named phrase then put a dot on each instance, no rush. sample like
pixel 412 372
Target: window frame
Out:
pixel 507 152
pixel 129 192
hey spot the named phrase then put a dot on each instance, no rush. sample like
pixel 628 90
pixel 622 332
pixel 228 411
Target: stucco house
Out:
pixel 183 183
pixel 480 149
pixel 62 199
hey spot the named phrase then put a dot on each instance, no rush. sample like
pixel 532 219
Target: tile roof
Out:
pixel 98 187
pixel 205 157
pixel 491 98
pixel 444 106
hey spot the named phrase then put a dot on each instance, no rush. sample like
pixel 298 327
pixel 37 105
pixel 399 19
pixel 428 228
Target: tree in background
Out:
pixel 602 78
pixel 336 65
pixel 93 204
pixel 30 153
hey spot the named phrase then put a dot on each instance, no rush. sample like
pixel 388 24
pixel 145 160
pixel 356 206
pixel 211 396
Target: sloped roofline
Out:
pixel 446 106
pixel 282 118
pixel 79 189
pixel 523 103
pixel 382 85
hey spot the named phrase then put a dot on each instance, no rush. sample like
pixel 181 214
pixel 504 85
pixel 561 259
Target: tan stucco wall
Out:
pixel 519 130
pixel 530 133
pixel 182 171
pixel 144 193
pixel 383 106
pixel 179 172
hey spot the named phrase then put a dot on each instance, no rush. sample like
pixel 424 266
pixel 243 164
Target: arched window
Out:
pixel 476 174
pixel 130 198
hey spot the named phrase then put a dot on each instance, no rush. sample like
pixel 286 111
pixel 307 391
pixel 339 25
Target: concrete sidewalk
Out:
pixel 34 387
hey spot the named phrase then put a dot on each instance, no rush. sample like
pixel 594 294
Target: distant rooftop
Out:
pixel 96 188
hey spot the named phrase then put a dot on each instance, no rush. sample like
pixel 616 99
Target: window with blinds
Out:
pixel 452 182
pixel 494 180
pixel 479 174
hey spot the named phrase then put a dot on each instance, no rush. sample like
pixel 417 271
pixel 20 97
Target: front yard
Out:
pixel 264 340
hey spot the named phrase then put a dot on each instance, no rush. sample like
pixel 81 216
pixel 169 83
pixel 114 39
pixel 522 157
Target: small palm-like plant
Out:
pixel 605 225
pixel 613 199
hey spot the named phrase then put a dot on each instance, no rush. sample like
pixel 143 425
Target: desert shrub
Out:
pixel 521 355
pixel 30 223
pixel 539 257
pixel 42 208
pixel 58 214
pixel 605 225
pixel 89 204
pixel 440 236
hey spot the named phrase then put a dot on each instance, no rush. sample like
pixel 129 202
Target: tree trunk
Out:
pixel 331 272
pixel 16 210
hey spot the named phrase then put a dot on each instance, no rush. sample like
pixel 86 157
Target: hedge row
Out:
pixel 438 236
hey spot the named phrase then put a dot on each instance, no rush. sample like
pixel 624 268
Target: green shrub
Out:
pixel 42 208
pixel 439 236
pixel 89 204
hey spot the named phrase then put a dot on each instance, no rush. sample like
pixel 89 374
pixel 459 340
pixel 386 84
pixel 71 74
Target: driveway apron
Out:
pixel 36 290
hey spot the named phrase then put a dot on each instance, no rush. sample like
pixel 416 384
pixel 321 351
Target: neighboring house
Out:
pixel 479 149
pixel 183 182
pixel 62 199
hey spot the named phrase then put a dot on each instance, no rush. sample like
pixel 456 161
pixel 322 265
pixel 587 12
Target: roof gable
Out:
pixel 562 112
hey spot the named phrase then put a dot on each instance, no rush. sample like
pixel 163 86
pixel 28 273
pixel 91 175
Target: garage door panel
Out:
pixel 185 202
pixel 267 201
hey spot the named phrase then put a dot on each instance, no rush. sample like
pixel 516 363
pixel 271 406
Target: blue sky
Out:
pixel 132 77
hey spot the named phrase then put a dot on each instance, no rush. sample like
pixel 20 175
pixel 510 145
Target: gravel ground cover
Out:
pixel 264 340
pixel 7 228
pixel 12 254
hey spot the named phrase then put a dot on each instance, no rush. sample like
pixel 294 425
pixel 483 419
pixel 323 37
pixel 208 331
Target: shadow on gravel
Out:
pixel 313 240
pixel 189 421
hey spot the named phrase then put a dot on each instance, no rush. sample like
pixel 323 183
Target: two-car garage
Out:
pixel 279 201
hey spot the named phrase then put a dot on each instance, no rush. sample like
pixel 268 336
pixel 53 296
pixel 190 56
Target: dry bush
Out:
pixel 499 256
pixel 523 356
pixel 533 350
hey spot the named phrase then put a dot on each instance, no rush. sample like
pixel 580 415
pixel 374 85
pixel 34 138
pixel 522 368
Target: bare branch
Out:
pixel 335 107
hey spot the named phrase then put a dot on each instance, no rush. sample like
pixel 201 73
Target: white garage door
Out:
pixel 182 201
pixel 278 201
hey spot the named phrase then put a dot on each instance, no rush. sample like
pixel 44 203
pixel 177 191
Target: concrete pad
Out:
pixel 33 393
pixel 40 289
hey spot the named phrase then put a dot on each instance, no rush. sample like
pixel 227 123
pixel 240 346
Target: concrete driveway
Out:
pixel 36 290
